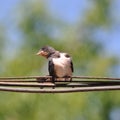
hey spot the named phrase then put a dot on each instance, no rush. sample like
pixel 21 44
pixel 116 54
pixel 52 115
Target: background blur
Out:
pixel 89 30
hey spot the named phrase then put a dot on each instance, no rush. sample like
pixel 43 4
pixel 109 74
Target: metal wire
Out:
pixel 49 77
pixel 70 90
pixel 25 77
pixel 43 84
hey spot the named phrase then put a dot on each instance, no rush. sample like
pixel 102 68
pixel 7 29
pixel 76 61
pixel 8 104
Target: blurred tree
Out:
pixel 37 28
pixel 2 47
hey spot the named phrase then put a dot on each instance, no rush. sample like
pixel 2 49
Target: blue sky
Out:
pixel 69 10
pixel 73 9
pixel 6 6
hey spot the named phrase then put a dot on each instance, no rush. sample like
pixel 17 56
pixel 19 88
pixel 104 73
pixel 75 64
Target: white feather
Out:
pixel 62 65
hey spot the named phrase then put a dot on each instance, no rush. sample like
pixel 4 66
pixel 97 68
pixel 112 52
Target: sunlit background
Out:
pixel 89 30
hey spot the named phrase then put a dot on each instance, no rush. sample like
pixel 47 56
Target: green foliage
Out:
pixel 37 28
pixel 99 15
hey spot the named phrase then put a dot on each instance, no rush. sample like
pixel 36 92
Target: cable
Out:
pixel 49 77
pixel 43 84
pixel 69 90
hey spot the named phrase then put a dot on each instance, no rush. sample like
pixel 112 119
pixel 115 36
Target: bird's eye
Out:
pixel 66 55
pixel 58 56
pixel 44 49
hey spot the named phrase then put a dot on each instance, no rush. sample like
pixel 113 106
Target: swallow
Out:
pixel 60 64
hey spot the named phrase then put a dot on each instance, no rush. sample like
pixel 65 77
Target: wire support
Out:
pixel 43 84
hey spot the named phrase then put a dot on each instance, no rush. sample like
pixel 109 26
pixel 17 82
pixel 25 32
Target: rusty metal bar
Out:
pixel 49 77
pixel 26 77
pixel 69 90
pixel 95 77
pixel 56 85
pixel 74 83
pixel 27 84
pixel 33 84
pixel 15 80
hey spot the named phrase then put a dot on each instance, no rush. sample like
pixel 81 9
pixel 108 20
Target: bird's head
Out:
pixel 46 51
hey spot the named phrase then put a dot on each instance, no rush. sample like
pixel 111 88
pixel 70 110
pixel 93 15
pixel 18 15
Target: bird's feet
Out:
pixel 41 80
pixel 68 78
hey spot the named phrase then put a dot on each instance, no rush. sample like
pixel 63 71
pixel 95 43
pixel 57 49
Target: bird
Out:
pixel 60 64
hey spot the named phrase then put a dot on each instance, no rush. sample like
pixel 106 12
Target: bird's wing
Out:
pixel 68 56
pixel 51 68
pixel 72 68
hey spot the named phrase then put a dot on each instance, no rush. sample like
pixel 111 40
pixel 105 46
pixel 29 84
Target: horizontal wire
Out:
pixel 49 77
pixel 57 81
pixel 22 84
pixel 95 77
pixel 26 77
pixel 74 83
pixel 69 90
pixel 27 84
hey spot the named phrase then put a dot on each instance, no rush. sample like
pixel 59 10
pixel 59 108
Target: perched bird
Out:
pixel 59 64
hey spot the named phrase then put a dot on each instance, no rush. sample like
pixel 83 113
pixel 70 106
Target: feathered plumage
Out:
pixel 59 64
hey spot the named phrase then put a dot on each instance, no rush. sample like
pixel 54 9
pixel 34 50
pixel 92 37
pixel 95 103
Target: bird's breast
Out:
pixel 62 66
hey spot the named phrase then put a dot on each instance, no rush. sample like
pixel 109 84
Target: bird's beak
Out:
pixel 42 53
pixel 39 53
